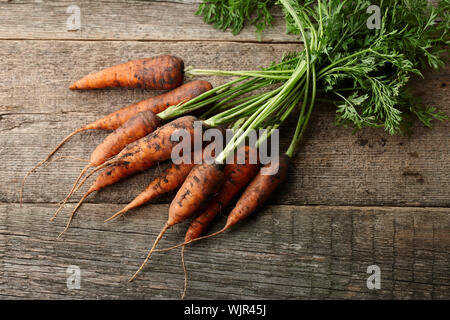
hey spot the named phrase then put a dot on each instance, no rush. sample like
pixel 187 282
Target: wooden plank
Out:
pixel 172 20
pixel 332 167
pixel 283 252
pixel 122 20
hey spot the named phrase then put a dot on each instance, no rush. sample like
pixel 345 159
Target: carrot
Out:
pixel 172 177
pixel 115 120
pixel 203 181
pixel 155 104
pixel 139 155
pixel 118 172
pixel 254 196
pixel 137 127
pixel 259 190
pixel 158 145
pixel 108 176
pixel 158 73
pixel 236 177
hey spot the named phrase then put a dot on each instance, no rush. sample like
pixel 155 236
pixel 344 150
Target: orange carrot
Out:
pixel 137 127
pixel 158 73
pixel 172 177
pixel 256 193
pixel 115 120
pixel 259 190
pixel 140 155
pixel 201 183
pixel 158 145
pixel 155 104
pixel 236 176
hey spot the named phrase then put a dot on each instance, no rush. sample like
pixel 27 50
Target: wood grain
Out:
pixel 332 167
pixel 283 252
pixel 351 200
pixel 105 20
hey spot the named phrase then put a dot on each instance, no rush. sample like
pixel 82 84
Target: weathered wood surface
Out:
pixel 315 240
pixel 284 252
pixel 333 167
pixel 105 20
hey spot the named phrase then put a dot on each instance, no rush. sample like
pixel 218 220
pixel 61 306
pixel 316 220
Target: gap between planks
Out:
pixel 385 209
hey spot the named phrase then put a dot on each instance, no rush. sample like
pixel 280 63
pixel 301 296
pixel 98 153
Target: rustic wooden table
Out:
pixel 351 201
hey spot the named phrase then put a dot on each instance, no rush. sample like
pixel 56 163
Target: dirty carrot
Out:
pixel 236 176
pixel 171 178
pixel 118 118
pixel 140 155
pixel 156 104
pixel 158 73
pixel 268 178
pixel 254 196
pixel 157 146
pixel 202 182
pixel 133 129
pixel 137 127
pixel 125 165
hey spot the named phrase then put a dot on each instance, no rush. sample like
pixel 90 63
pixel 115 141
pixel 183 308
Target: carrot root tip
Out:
pixel 160 235
pixel 116 215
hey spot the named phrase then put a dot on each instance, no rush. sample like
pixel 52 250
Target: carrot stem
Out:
pixel 303 121
pixel 198 102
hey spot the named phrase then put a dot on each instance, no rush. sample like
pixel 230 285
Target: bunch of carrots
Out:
pixel 141 138
pixel 366 80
